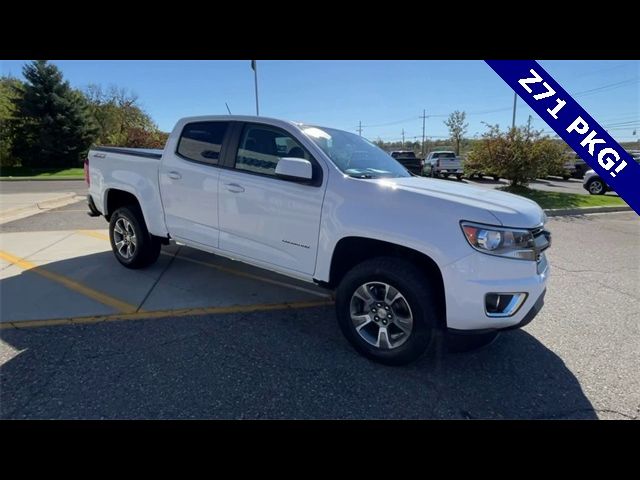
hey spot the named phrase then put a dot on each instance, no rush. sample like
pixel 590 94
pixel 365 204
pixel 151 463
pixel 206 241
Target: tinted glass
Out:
pixel 444 155
pixel 261 148
pixel 202 141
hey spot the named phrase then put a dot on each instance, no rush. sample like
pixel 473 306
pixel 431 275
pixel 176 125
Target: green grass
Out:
pixel 548 200
pixel 9 173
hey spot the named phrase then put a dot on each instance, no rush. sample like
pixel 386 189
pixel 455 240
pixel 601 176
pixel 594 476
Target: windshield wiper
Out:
pixel 362 175
pixel 368 173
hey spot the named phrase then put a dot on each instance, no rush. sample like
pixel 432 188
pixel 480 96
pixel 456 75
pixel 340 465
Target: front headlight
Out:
pixel 500 241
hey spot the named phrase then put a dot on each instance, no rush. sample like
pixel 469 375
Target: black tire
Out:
pixel 147 248
pixel 416 289
pixel 596 186
pixel 446 175
pixel 496 178
pixel 459 177
pixel 566 177
pixel 457 343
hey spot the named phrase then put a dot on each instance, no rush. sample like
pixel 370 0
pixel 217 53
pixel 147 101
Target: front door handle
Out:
pixel 234 187
pixel 174 175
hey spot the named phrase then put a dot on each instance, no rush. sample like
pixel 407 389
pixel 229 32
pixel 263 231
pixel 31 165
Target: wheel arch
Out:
pixel 115 198
pixel 350 251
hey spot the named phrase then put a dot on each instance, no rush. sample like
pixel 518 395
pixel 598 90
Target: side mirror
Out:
pixel 296 169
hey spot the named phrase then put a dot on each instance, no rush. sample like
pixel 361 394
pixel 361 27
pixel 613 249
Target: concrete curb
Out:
pixel 23 212
pixel 556 212
pixel 38 179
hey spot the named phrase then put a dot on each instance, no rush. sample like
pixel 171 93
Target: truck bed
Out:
pixel 131 170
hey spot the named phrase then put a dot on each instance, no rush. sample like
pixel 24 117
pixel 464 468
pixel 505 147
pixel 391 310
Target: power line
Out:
pixel 607 87
pixel 390 123
pixel 601 88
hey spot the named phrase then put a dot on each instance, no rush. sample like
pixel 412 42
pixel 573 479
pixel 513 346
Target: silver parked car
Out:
pixel 593 184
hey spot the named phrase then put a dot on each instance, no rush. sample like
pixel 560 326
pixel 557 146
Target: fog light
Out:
pixel 503 304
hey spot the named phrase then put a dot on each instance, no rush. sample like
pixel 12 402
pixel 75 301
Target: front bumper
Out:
pixel 527 319
pixel 471 278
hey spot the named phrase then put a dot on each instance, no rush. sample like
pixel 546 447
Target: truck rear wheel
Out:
pixel 386 310
pixel 131 242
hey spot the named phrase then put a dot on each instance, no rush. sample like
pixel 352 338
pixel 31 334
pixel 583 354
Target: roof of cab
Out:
pixel 238 118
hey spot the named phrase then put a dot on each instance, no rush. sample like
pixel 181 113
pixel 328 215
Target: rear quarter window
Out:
pixel 202 141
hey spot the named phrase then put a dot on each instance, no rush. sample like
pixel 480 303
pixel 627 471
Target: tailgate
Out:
pixel 450 163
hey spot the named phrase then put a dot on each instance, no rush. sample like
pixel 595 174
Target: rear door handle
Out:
pixel 234 187
pixel 174 175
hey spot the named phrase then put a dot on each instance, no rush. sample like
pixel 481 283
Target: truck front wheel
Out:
pixel 386 310
pixel 131 242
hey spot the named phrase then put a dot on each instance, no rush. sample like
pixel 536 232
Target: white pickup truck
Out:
pixel 408 257
pixel 443 162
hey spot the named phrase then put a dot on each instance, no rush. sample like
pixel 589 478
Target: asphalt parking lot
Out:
pixel 552 184
pixel 197 336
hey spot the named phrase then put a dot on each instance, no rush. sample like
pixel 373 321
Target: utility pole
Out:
pixel 424 117
pixel 403 138
pixel 360 128
pixel 515 99
pixel 529 124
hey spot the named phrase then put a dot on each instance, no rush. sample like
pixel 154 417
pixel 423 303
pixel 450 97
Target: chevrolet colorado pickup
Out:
pixel 408 257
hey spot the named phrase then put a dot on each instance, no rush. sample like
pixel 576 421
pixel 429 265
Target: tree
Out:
pixel 55 128
pixel 121 120
pixel 11 90
pixel 457 128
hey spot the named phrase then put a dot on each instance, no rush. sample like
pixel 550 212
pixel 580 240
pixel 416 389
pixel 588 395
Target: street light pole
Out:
pixel 515 100
pixel 254 65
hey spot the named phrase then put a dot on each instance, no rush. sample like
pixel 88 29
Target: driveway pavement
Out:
pixel 197 336
pixel 21 199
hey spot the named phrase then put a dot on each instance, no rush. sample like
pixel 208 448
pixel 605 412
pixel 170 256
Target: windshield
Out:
pixel 354 155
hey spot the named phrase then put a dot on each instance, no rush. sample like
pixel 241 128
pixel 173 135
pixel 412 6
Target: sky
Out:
pixel 386 96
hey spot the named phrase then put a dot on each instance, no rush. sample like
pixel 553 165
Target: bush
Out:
pixel 519 155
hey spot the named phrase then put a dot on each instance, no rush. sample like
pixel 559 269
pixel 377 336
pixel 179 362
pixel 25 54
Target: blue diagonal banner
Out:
pixel 574 125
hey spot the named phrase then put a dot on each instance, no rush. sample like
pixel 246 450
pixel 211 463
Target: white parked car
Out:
pixel 406 255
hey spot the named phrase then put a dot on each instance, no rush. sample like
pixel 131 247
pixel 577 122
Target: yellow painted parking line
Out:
pixel 233 271
pixel 70 284
pixel 158 314
pixel 91 233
